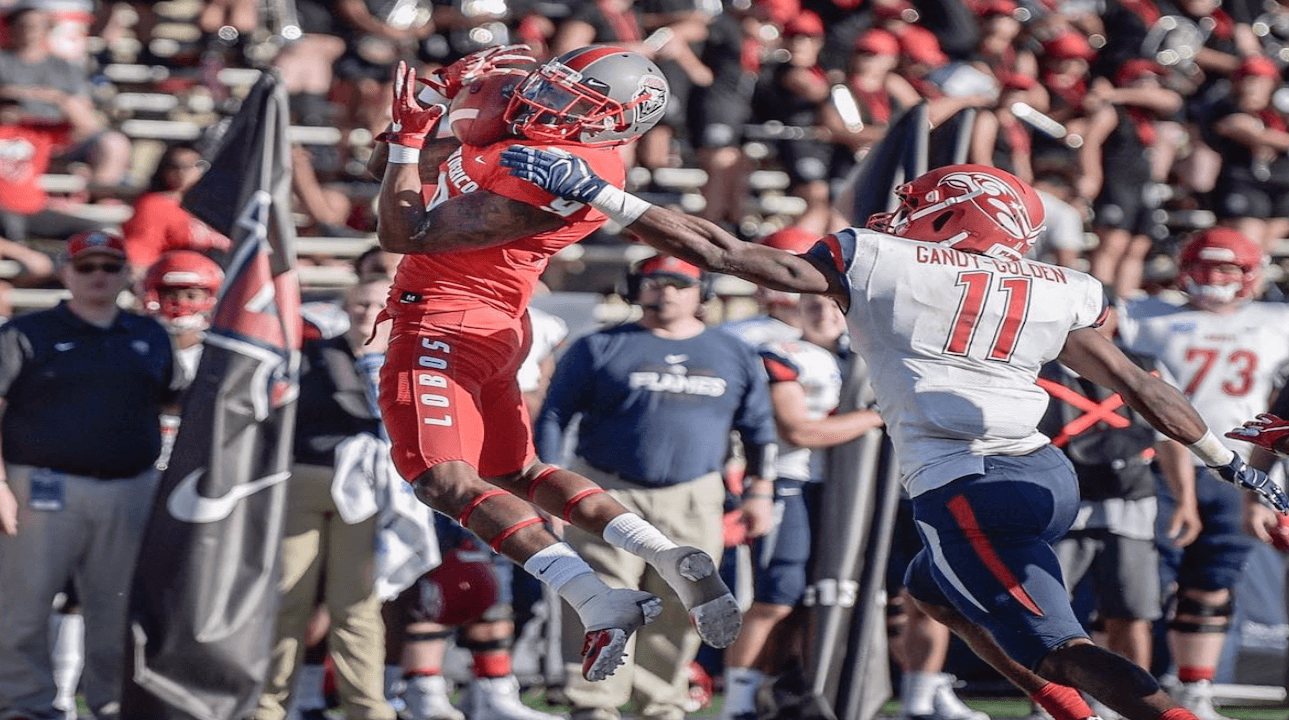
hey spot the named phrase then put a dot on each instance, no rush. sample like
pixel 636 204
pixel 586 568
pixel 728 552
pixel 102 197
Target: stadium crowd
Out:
pixel 1144 124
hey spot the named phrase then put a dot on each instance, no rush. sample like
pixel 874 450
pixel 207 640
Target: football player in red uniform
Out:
pixel 475 240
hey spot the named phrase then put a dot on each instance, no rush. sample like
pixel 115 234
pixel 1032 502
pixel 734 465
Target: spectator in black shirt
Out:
pixel 83 385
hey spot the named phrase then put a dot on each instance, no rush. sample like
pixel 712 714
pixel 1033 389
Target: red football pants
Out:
pixel 448 390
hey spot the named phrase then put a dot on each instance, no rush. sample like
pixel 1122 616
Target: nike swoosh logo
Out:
pixel 64 346
pixel 186 505
pixel 674 359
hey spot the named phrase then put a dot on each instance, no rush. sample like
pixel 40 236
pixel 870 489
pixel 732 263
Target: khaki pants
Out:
pixel 655 677
pixel 317 540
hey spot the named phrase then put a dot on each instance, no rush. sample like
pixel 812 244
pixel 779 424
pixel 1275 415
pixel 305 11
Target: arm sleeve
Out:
pixel 779 366
pixel 567 394
pixel 754 421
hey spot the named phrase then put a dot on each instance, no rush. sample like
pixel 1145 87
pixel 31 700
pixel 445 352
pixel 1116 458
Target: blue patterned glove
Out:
pixel 1244 477
pixel 555 171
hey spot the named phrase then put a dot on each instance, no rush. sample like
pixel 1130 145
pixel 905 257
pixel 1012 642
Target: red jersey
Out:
pixel 502 277
pixel 160 223
pixel 24 156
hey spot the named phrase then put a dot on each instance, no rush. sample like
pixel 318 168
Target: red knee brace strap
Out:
pixel 542 477
pixel 464 518
pixel 573 501
pixel 504 535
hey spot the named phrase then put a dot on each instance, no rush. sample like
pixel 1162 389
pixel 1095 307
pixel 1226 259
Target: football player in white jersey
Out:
pixel 954 325
pixel 1225 352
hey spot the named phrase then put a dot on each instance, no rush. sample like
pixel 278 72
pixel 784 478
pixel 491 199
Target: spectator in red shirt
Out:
pixel 159 222
pixel 25 151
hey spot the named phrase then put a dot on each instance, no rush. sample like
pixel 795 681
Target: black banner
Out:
pixel 205 593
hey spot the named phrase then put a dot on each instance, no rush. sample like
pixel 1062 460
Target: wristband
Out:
pixel 1211 451
pixel 403 154
pixel 759 496
pixel 621 206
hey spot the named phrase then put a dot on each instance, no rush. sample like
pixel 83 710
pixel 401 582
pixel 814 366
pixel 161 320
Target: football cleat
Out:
pixel 610 619
pixel 713 610
pixel 1198 698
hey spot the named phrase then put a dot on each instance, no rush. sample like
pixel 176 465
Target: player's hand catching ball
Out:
pixel 446 82
pixel 413 122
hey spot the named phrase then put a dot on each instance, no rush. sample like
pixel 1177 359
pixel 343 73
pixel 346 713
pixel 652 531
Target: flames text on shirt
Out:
pixel 933 255
pixel 677 383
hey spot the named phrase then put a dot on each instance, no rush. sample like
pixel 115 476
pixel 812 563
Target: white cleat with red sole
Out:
pixel 610 619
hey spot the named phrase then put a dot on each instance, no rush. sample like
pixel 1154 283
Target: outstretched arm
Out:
pixel 685 236
pixel 1091 355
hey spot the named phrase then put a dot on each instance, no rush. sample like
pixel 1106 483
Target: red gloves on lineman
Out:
pixel 446 82
pixel 413 122
pixel 1265 431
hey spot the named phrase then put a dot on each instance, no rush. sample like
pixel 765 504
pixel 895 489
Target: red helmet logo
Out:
pixel 973 208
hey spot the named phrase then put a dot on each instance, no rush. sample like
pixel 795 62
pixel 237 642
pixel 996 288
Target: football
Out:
pixel 476 115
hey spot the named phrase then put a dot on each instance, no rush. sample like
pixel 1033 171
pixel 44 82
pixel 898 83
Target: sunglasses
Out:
pixel 658 282
pixel 86 268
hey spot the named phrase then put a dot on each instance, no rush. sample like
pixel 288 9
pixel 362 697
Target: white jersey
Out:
pixel 818 371
pixel 954 342
pixel 1227 365
pixel 548 332
pixel 759 330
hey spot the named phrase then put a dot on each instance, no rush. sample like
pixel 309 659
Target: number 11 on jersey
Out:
pixel 979 288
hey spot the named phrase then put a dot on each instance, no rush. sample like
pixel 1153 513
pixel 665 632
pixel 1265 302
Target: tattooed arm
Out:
pixel 466 222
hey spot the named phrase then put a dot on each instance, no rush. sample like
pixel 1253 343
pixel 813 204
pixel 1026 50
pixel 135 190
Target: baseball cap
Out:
pixel 806 22
pixel 878 42
pixel 1256 66
pixel 921 46
pixel 94 242
pixel 1137 68
pixel 996 7
pixel 1069 45
pixel 895 10
pixel 670 266
pixel 779 12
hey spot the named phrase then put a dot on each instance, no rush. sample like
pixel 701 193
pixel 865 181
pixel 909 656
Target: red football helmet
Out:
pixel 593 95
pixel 180 270
pixel 1210 249
pixel 972 208
pixel 460 589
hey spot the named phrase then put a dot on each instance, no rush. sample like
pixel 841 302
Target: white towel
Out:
pixel 366 484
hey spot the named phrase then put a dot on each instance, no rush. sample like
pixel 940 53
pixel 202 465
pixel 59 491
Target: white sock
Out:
pixel 555 565
pixel 67 657
pixel 917 690
pixel 741 685
pixel 632 533
pixel 308 688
